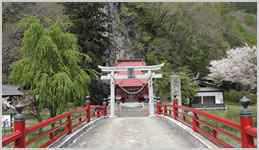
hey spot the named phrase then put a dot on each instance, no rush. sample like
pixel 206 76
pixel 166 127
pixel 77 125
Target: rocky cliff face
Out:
pixel 122 46
pixel 10 50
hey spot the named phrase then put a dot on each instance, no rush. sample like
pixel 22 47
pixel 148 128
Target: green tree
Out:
pixel 162 86
pixel 49 65
pixel 188 89
pixel 249 7
pixel 90 24
pixel 151 59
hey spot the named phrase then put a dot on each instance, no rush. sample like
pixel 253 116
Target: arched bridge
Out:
pixel 134 132
pixel 173 126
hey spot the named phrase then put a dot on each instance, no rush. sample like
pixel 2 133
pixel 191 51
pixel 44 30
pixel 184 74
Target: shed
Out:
pixel 208 96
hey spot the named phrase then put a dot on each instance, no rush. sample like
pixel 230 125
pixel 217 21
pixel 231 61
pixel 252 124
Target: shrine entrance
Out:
pixel 128 74
pixel 131 98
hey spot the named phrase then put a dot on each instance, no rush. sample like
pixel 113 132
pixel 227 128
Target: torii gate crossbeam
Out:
pixel 112 76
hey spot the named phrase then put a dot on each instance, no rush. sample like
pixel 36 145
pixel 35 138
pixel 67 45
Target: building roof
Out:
pixel 11 90
pixel 130 62
pixel 201 83
pixel 132 82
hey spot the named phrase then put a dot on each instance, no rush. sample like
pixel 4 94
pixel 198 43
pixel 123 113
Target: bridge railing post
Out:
pixel 104 107
pixel 98 111
pixel 87 105
pixel 51 136
pixel 214 133
pixel 80 119
pixel 245 121
pixel 195 124
pixel 69 124
pixel 175 109
pixel 158 106
pixel 165 110
pixel 19 125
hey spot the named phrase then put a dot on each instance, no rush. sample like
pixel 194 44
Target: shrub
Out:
pixel 250 19
pixel 234 96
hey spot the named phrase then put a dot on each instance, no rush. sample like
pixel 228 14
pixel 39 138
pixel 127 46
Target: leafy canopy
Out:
pixel 188 88
pixel 90 24
pixel 49 64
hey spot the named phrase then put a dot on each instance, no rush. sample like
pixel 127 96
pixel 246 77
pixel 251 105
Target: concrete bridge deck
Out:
pixel 134 132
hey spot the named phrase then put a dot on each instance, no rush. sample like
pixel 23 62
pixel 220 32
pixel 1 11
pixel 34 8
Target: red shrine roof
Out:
pixel 132 82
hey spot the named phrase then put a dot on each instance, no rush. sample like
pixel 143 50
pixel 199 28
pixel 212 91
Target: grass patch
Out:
pixel 8 113
pixel 233 112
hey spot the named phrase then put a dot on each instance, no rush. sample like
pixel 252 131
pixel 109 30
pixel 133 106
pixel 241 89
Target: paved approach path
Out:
pixel 133 132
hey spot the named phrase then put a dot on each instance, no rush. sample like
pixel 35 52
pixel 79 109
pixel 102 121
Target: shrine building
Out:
pixel 131 89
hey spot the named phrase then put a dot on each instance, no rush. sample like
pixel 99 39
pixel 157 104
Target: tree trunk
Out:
pixel 190 102
pixel 53 113
pixel 38 117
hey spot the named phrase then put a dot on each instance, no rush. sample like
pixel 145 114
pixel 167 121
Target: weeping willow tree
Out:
pixel 49 65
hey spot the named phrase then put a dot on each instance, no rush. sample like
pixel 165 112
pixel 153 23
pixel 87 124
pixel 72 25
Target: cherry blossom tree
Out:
pixel 239 66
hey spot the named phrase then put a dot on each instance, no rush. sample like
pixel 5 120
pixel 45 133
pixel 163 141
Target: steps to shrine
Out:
pixel 132 105
pixel 132 109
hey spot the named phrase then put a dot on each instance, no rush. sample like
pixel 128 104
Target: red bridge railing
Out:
pixel 245 127
pixel 20 132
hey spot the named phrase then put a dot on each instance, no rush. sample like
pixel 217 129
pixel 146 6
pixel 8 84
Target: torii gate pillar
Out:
pixel 112 85
pixel 151 96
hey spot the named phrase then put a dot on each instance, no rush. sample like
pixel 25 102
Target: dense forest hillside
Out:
pixel 184 36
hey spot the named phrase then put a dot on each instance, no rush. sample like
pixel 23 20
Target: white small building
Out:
pixel 208 97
